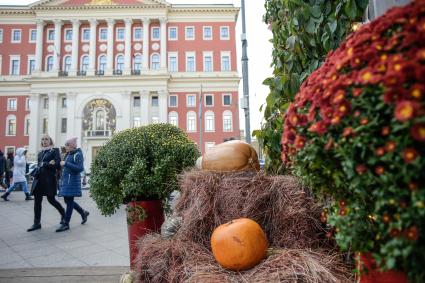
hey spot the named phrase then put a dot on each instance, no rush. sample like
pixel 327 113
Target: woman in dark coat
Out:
pixel 48 164
pixel 70 185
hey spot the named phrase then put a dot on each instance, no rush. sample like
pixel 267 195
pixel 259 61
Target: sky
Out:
pixel 259 51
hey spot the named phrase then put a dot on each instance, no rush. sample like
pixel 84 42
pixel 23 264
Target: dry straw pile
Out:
pixel 299 252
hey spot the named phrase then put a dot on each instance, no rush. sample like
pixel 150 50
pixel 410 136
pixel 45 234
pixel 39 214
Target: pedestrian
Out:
pixel 9 168
pixel 2 170
pixel 70 187
pixel 19 178
pixel 46 184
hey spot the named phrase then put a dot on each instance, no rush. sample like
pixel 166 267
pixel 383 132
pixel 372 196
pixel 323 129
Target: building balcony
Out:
pixel 99 72
pixel 117 72
pixel 135 72
pixel 63 73
pixel 81 73
pixel 98 133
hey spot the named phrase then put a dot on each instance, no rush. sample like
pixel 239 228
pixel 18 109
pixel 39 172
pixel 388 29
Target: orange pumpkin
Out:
pixel 229 156
pixel 239 244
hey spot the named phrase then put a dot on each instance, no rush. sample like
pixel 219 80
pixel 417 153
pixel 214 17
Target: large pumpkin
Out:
pixel 229 156
pixel 239 244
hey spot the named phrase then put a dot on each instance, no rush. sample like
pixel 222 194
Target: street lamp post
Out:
pixel 245 99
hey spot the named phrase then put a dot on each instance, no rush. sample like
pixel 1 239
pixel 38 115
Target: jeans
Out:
pixel 23 185
pixel 38 199
pixel 71 205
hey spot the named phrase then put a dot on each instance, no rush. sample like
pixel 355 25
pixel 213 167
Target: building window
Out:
pixel 209 145
pixel 1 35
pixel 68 35
pixel 155 33
pixel 27 104
pixel 137 122
pixel 227 121
pixel 209 100
pixel 85 35
pixel 46 103
pixel 63 125
pixel 45 125
pixel 172 33
pixel 155 62
pixel 49 63
pixel 225 62
pixel 27 126
pixel 103 34
pixel 31 66
pixel 191 121
pixel 207 33
pixel 84 63
pixel 209 121
pixel 173 118
pixel 190 62
pixel 102 63
pixel 50 35
pixel 16 35
pixel 191 100
pixel 137 34
pixel 33 35
pixel 224 33
pixel 120 34
pixel 136 101
pixel 208 62
pixel 190 33
pixel 172 101
pixel 67 63
pixel 155 120
pixel 12 104
pixel 172 62
pixel 63 102
pixel 137 63
pixel 155 101
pixel 120 63
pixel 11 125
pixel 15 63
pixel 227 100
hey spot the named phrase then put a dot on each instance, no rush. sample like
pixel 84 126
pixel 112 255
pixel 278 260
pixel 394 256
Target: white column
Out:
pixel 163 106
pixel 70 114
pixel 57 52
pixel 144 107
pixel 110 50
pixel 126 115
pixel 92 51
pixel 52 115
pixel 34 130
pixel 163 22
pixel 75 37
pixel 39 46
pixel 127 53
pixel 146 33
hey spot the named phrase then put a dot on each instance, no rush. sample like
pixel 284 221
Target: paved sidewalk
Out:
pixel 102 241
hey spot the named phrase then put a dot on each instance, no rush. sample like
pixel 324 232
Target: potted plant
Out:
pixel 356 134
pixel 139 167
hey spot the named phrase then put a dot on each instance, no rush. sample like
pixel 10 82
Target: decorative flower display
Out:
pixel 356 134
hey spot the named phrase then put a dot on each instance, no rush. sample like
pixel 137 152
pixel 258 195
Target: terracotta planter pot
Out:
pixel 370 273
pixel 152 223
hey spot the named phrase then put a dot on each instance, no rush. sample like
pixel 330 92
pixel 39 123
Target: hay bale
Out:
pixel 279 204
pixel 173 260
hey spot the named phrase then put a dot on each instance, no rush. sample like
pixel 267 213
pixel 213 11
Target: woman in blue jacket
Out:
pixel 70 185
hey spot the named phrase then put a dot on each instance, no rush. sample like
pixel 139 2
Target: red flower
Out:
pixel 379 170
pixel 329 144
pixel 417 91
pixel 418 132
pixel 293 119
pixel 390 146
pixel 420 55
pixel 357 92
pixel 404 111
pixel 300 142
pixel 361 169
pixel 385 131
pixel 338 97
pixel 409 154
pixel 412 233
pixel 336 120
pixel 364 121
pixel 413 186
pixel 394 232
pixel 319 128
pixel 348 132
pixel 343 108
pixel 386 218
pixel 380 151
pixel 367 76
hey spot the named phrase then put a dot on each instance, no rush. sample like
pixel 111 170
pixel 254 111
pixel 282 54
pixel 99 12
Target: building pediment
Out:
pixel 74 3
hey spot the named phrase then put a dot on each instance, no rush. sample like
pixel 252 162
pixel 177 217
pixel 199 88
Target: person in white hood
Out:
pixel 19 179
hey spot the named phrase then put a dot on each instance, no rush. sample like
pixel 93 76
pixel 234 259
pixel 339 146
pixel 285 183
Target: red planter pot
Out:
pixel 152 223
pixel 370 273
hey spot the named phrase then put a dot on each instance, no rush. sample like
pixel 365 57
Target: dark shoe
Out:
pixel 63 227
pixel 84 217
pixel 34 227
pixel 28 197
pixel 4 196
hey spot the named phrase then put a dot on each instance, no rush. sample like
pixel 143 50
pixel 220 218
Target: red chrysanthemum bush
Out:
pixel 356 134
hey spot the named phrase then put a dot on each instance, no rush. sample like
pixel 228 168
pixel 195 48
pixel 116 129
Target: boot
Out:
pixel 4 196
pixel 34 227
pixel 28 197
pixel 63 227
pixel 84 216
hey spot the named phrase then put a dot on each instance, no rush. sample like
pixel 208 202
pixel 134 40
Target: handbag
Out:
pixel 35 174
pixel 34 186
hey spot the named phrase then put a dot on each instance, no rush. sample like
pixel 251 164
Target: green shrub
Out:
pixel 139 164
